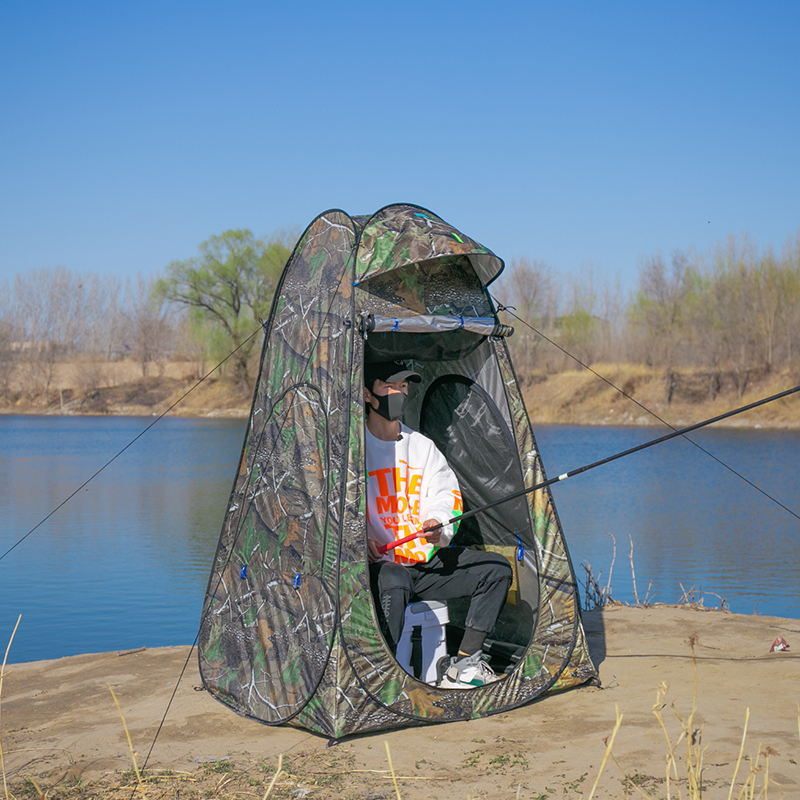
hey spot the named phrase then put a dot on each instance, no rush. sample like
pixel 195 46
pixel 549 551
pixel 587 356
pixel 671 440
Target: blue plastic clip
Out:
pixel 520 550
pixel 244 571
pixel 396 324
pixel 297 581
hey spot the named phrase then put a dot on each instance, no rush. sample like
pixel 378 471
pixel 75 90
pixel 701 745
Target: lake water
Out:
pixel 125 563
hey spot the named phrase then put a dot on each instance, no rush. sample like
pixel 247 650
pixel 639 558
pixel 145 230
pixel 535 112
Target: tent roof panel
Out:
pixel 399 235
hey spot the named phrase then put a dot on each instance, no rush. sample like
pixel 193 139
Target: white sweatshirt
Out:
pixel 408 482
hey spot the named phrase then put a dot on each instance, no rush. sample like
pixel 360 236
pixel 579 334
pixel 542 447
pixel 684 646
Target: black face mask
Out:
pixel 391 406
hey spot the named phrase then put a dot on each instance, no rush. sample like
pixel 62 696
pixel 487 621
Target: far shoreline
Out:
pixel 244 413
pixel 627 396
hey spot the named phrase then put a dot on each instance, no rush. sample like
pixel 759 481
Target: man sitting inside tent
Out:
pixel 410 488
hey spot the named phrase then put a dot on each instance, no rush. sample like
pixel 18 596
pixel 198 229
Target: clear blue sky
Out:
pixel 572 132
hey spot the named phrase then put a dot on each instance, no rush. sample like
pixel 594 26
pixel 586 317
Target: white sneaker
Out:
pixel 468 672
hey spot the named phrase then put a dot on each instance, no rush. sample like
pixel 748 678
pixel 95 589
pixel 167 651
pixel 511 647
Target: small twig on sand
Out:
pixel 611 568
pixel 694 598
pixel 131 652
pixel 633 574
pixel 2 674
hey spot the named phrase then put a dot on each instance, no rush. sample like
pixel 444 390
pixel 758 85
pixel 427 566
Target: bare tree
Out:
pixel 769 299
pixel 733 276
pixel 611 318
pixel 48 305
pixel 101 328
pixel 98 337
pixel 530 288
pixel 659 311
pixel 149 332
pixel 7 354
pixel 790 318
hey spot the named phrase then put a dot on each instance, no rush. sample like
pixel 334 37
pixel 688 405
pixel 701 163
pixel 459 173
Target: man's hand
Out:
pixel 431 536
pixel 373 554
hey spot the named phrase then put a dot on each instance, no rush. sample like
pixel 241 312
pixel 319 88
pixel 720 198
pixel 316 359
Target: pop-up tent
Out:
pixel 289 632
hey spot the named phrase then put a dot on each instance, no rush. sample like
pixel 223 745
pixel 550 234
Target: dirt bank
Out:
pixel 118 388
pixel 61 729
pixel 582 398
pixel 572 397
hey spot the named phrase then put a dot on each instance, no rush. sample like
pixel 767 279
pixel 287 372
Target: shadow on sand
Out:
pixel 595 635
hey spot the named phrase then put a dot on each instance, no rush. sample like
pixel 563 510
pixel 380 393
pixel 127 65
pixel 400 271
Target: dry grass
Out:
pixel 609 746
pixel 130 743
pixel 332 774
pixel 316 775
pixel 578 397
pixel 570 397
pixel 2 675
pixel 686 774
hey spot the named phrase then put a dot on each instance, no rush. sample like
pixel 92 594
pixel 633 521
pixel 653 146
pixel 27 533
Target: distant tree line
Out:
pixel 728 313
pixel 200 309
pixel 731 312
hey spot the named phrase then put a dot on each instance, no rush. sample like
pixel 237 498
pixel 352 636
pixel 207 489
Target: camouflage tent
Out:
pixel 289 631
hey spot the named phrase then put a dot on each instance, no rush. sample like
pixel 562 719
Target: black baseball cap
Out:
pixel 390 372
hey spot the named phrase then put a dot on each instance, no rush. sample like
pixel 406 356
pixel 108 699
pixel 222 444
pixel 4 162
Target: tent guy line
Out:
pixel 607 460
pixel 510 310
pixel 264 325
pixel 130 444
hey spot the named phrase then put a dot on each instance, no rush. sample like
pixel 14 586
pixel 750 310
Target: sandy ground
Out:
pixel 59 725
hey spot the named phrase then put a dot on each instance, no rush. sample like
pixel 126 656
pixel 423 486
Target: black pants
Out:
pixel 452 572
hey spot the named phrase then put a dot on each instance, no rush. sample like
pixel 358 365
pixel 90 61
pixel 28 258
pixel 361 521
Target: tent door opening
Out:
pixel 468 424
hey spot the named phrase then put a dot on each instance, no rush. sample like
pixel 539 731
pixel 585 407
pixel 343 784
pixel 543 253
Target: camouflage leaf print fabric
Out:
pixel 289 632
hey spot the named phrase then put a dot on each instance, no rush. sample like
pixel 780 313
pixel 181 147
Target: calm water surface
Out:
pixel 693 522
pixel 125 563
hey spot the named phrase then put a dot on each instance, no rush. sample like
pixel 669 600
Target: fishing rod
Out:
pixel 510 310
pixel 587 467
